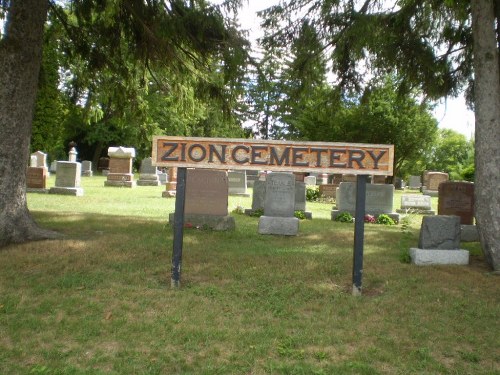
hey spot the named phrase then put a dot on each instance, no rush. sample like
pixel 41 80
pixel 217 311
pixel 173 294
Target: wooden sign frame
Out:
pixel 271 155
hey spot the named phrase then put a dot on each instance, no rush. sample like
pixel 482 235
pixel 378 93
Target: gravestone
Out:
pixel 310 180
pixel 206 200
pixel 299 176
pixel 399 183
pixel 349 178
pixel 279 206
pixel 379 200
pixel 439 242
pixel 258 197
pixel 36 180
pixel 39 159
pixel 252 176
pixel 457 198
pixel 431 182
pixel 53 167
pixel 416 203
pixel 237 183
pixel 171 185
pixel 414 182
pixel 68 179
pixel 300 199
pixel 376 179
pixel 322 179
pixel 103 166
pixel 163 177
pixel 148 174
pixel 72 155
pixel 87 168
pixel 328 190
pixel 120 167
pixel 335 179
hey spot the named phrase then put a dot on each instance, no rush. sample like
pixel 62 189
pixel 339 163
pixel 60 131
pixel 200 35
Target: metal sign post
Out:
pixel 180 198
pixel 271 155
pixel 359 234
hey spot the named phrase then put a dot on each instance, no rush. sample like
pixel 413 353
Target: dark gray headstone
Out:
pixel 440 232
pixel 300 196
pixel 258 195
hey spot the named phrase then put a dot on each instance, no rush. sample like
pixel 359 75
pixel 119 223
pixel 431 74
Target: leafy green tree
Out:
pixel 382 116
pixel 431 44
pixel 451 153
pixel 115 41
pixel 264 95
pixel 303 79
pixel 50 108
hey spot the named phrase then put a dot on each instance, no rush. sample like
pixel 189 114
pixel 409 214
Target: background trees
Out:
pixel 133 62
pixel 110 51
pixel 428 45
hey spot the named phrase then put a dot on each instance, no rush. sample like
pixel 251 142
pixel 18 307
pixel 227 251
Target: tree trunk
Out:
pixel 487 135
pixel 20 58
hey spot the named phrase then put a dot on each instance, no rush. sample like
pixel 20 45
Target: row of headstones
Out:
pixel 67 176
pixel 206 201
pixel 207 206
pixel 281 195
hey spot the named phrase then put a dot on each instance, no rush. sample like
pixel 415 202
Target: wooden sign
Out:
pixel 271 155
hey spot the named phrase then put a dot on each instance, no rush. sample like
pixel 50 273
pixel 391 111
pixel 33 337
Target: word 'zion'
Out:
pixel 272 155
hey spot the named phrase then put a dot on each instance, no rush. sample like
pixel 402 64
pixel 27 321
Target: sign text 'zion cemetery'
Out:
pixel 223 153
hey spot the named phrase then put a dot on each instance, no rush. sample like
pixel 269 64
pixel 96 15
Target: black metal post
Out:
pixel 180 198
pixel 359 233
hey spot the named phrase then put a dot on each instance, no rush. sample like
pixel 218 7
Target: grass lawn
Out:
pixel 99 300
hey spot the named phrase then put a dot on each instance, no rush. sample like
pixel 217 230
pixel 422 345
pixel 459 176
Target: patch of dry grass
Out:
pixel 98 301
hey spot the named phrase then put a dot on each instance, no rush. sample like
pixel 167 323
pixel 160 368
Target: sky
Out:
pixel 450 114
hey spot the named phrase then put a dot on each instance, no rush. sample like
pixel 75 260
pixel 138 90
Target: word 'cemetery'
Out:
pixel 273 155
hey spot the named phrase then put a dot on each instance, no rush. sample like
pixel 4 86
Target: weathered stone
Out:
pixel 148 174
pixel 206 192
pixel 87 168
pixel 457 198
pixel 68 179
pixel 36 180
pixel 280 195
pixel 440 232
pixel 310 180
pixel 469 233
pixel 423 257
pixel 416 203
pixel 328 191
pixel 207 200
pixel 237 183
pixel 286 226
pixel 379 200
pixel 279 207
pixel 120 167
pixel 415 182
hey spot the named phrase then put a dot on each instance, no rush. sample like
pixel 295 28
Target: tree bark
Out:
pixel 487 135
pixel 20 58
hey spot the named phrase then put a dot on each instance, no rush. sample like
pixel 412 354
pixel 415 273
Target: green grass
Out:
pixel 99 300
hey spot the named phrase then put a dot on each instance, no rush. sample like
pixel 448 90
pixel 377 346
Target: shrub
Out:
pixel 257 213
pixel 385 220
pixel 300 214
pixel 468 173
pixel 345 217
pixel 312 193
